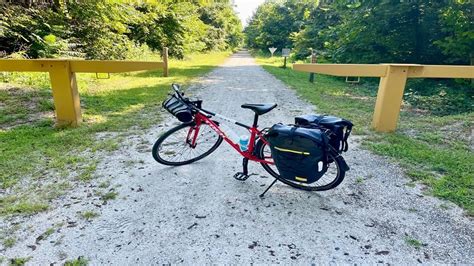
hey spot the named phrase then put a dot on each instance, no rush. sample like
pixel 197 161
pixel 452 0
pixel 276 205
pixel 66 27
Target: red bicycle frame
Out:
pixel 201 118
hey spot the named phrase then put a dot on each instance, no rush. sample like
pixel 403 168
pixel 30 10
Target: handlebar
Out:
pixel 177 92
pixel 196 104
pixel 175 87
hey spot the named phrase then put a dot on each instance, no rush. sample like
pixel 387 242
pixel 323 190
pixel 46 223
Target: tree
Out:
pixel 103 29
pixel 457 22
pixel 420 31
pixel 387 31
pixel 273 24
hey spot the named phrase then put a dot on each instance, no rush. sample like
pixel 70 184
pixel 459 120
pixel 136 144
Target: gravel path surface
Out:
pixel 199 214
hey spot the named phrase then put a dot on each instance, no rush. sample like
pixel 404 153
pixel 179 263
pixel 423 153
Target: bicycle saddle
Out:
pixel 259 108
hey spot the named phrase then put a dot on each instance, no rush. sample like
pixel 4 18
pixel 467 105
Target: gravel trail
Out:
pixel 199 214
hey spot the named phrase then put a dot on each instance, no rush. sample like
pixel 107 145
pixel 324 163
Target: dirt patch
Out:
pixel 24 105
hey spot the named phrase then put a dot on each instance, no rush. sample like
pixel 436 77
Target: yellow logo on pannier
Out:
pixel 298 178
pixel 293 151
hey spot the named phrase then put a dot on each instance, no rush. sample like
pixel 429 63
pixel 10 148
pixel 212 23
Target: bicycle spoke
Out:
pixel 176 148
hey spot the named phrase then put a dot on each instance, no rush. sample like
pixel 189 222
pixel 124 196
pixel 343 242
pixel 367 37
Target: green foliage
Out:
pixel 457 22
pixel 386 31
pixel 89 215
pixel 111 195
pixel 274 22
pixel 30 30
pixel 15 206
pixel 117 29
pixel 413 242
pixel 424 31
pixel 19 261
pixel 9 242
pixel 97 29
pixel 80 261
pixel 159 25
pixel 315 32
pixel 439 97
pixel 223 26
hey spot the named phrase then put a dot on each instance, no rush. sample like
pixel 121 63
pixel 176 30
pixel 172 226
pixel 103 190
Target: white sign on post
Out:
pixel 285 52
pixel 272 50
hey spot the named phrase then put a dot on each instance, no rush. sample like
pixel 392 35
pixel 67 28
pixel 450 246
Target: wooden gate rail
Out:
pixel 62 73
pixel 393 79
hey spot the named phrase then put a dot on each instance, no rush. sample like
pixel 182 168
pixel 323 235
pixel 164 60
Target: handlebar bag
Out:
pixel 178 108
pixel 299 153
pixel 337 129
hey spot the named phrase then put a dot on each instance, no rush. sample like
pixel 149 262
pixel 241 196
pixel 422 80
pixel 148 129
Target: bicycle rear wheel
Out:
pixel 175 147
pixel 331 179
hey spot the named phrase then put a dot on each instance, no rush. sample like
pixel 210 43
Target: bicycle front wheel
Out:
pixel 185 144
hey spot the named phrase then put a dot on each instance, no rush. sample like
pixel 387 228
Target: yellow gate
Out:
pixel 393 78
pixel 62 73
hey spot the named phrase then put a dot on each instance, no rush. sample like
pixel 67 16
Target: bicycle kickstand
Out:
pixel 271 185
pixel 242 176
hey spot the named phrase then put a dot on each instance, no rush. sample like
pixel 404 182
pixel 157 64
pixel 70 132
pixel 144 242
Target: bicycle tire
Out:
pixel 157 147
pixel 337 160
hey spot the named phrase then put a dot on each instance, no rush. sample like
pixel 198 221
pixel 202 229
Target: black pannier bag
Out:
pixel 179 109
pixel 299 153
pixel 337 129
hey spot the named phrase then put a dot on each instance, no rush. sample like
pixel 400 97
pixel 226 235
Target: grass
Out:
pixel 20 205
pixel 88 215
pixel 76 262
pixel 433 149
pixel 20 103
pixel 18 261
pixel 9 242
pixel 33 152
pixel 111 195
pixel 48 232
pixel 45 234
pixel 413 242
pixel 104 184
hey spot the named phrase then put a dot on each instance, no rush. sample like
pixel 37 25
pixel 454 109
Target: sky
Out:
pixel 245 8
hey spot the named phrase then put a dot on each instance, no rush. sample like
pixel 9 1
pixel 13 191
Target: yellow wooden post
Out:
pixel 63 79
pixel 392 83
pixel 65 94
pixel 165 61
pixel 389 98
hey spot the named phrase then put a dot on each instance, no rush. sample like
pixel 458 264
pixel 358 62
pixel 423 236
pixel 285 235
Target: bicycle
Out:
pixel 200 134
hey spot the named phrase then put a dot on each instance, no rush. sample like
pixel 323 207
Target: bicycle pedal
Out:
pixel 242 176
